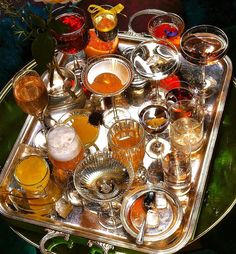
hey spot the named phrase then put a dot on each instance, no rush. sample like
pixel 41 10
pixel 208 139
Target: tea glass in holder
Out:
pixel 187 125
pixel 39 192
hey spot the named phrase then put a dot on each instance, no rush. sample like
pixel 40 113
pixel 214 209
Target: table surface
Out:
pixel 220 195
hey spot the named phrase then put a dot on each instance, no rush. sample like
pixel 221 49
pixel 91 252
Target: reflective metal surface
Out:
pixel 84 223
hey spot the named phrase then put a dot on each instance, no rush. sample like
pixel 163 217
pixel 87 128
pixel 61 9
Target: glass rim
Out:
pixel 64 7
pixel 92 61
pixel 110 141
pixel 41 180
pixel 24 72
pixel 169 14
pixel 202 26
pixel 62 125
pixel 174 67
pixel 186 102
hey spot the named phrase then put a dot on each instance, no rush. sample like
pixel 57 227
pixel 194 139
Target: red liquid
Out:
pixel 167 31
pixel 76 37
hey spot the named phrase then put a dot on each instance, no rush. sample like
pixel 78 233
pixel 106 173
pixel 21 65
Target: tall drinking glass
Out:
pixel 126 138
pixel 31 96
pixel 204 45
pixel 65 150
pixel 187 125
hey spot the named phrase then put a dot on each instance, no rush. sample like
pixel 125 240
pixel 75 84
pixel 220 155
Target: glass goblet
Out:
pixel 31 96
pixel 101 178
pixel 74 37
pixel 155 60
pixel 204 45
pixel 167 26
pixel 108 76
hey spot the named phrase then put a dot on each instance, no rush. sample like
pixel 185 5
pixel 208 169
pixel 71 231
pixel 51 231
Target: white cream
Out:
pixel 63 143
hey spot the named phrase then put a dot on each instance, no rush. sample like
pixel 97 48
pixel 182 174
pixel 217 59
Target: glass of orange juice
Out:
pixel 79 120
pixel 126 138
pixel 32 173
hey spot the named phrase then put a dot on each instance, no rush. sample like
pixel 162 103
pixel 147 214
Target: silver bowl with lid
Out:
pixel 163 225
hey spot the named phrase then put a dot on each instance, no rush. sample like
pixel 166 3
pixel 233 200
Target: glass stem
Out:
pixel 41 120
pixel 156 84
pixel 203 70
pixel 114 109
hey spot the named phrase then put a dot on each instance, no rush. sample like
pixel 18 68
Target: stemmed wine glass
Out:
pixel 74 37
pixel 31 96
pixel 107 76
pixel 155 59
pixel 203 45
pixel 167 26
pixel 103 179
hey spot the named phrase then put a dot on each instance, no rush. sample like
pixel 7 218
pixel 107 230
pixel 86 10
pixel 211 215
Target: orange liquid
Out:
pixel 68 165
pixel 31 94
pixel 106 83
pixel 105 24
pixel 87 132
pixel 32 173
pixel 131 148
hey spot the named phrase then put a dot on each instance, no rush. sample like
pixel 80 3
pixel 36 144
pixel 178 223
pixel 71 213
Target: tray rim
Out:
pixel 206 163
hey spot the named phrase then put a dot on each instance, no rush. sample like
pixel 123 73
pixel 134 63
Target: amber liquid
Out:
pixel 106 83
pixel 31 94
pixel 68 165
pixel 131 148
pixel 203 48
pixel 87 132
pixel 106 27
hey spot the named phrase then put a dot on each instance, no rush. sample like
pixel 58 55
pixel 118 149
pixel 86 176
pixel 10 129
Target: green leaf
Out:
pixel 58 27
pixel 43 47
pixel 38 21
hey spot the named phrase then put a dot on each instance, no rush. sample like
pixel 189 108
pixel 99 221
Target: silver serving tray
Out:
pixel 83 222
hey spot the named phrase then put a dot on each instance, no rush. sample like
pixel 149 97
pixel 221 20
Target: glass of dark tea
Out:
pixel 72 37
pixel 204 45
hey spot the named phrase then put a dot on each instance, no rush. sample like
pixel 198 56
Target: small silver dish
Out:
pixel 168 207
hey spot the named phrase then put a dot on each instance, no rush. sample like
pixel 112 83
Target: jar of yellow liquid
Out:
pixel 32 173
pixel 79 120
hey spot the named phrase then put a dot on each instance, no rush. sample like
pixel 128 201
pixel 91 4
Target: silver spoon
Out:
pixel 148 204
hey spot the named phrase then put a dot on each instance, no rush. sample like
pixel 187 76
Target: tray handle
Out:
pixel 104 246
pixel 50 235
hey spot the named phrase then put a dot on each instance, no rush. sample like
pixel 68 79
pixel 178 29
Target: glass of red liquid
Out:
pixel 168 26
pixel 72 37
